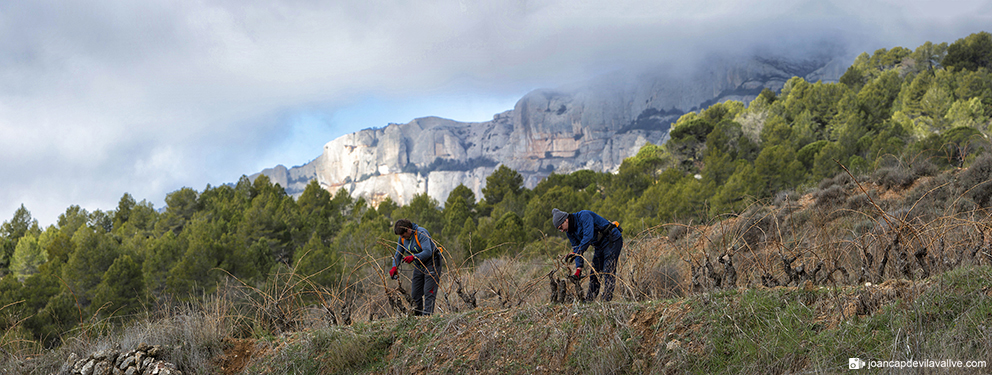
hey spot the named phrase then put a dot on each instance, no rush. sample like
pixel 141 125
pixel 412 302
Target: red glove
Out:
pixel 392 273
pixel 408 259
pixel 569 257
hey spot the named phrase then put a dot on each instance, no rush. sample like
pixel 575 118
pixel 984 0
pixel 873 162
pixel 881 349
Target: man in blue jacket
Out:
pixel 586 228
pixel 415 246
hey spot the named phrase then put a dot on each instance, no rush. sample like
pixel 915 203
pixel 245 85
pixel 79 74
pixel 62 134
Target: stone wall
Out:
pixel 140 361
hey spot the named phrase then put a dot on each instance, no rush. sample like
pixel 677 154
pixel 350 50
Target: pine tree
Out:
pixel 502 182
pixel 318 263
pixel 121 290
pixel 28 256
pixel 12 231
pixel 95 252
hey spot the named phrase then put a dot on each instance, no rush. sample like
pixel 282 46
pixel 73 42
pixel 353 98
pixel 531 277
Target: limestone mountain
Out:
pixel 594 126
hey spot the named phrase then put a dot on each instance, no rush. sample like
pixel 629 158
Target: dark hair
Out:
pixel 401 226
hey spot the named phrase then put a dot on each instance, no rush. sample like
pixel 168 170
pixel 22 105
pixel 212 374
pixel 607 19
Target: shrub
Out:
pixel 932 194
pixel 893 177
pixel 923 167
pixel 677 232
pixel 829 197
pixel 975 181
pixel 858 202
pixel 840 179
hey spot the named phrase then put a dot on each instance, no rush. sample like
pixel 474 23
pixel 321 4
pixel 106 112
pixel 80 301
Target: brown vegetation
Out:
pixel 845 249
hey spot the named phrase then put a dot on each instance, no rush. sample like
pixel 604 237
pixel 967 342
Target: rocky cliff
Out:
pixel 590 126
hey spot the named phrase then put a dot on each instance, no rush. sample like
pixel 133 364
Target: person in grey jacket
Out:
pixel 585 228
pixel 415 247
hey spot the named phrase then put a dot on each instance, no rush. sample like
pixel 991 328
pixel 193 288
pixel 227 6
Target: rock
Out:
pixel 127 362
pixel 70 362
pixel 163 368
pixel 120 360
pixel 78 366
pixel 154 351
pixel 593 126
pixel 146 363
pixel 111 362
pixel 87 368
pixel 102 368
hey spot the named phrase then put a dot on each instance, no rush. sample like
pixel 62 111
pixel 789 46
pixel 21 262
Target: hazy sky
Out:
pixel 102 98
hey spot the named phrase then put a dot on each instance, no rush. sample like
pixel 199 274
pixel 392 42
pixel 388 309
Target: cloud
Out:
pixel 102 98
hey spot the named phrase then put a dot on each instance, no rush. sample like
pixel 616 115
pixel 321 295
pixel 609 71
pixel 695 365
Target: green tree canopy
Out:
pixel 121 290
pixel 508 236
pixel 27 257
pixel 161 256
pixel 970 53
pixel 502 182
pixel 123 212
pixel 456 211
pixel 423 211
pixel 319 263
pixel 929 56
pixel 12 231
pixel 95 252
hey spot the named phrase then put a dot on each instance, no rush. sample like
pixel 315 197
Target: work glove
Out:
pixel 392 273
pixel 409 258
pixel 578 274
pixel 569 257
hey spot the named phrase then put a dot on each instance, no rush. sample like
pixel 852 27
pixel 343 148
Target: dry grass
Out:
pixel 192 337
pixel 782 287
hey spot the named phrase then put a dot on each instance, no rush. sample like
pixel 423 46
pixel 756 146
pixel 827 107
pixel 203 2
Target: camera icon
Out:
pixel 855 363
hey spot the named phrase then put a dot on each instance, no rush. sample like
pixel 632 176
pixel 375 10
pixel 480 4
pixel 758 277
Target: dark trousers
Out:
pixel 605 263
pixel 424 289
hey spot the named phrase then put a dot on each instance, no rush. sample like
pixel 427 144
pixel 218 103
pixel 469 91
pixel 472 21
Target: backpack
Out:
pixel 440 249
pixel 606 231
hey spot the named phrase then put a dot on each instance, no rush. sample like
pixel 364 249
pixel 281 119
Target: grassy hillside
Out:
pixel 855 268
pixel 749 331
pixel 742 331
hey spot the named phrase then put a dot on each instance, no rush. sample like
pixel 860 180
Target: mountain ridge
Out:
pixel 593 126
